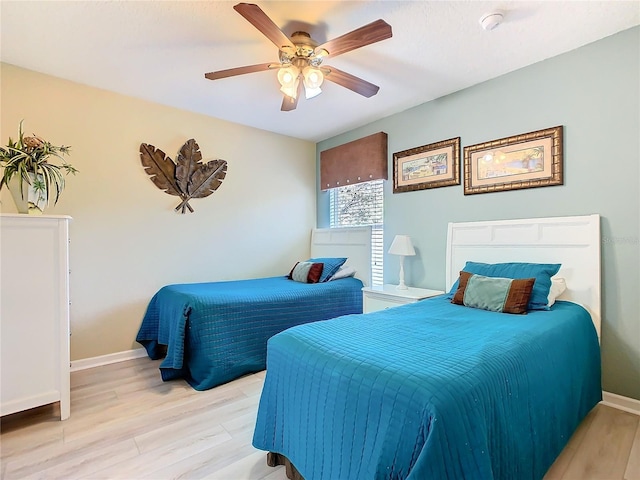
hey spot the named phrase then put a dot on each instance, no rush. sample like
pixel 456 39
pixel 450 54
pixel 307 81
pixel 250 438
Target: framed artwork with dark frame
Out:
pixel 528 160
pixel 429 166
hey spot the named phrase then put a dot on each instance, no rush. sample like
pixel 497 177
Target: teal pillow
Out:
pixel 496 294
pixel 331 266
pixel 542 272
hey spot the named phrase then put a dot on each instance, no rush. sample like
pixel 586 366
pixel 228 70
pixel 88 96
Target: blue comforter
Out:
pixel 429 390
pixel 215 332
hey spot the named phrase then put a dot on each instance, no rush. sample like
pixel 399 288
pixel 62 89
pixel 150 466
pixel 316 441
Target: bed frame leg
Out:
pixel 275 459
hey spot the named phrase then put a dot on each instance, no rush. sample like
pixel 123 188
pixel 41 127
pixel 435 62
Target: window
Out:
pixel 357 205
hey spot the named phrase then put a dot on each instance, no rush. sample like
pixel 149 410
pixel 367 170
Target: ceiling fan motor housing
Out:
pixel 303 52
pixel 304 44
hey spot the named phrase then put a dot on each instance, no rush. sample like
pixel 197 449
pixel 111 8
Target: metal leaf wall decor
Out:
pixel 187 177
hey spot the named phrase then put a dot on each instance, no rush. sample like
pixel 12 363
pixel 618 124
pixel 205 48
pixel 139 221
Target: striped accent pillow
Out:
pixel 306 272
pixel 495 294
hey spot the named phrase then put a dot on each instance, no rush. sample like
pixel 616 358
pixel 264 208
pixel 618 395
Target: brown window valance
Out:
pixel 359 161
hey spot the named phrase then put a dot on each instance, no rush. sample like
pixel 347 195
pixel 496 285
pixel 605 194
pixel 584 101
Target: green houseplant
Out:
pixel 31 175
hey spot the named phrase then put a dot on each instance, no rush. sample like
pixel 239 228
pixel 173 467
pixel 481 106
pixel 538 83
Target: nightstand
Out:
pixel 380 297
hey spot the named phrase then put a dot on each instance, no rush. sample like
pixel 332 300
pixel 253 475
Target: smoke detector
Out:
pixel 491 20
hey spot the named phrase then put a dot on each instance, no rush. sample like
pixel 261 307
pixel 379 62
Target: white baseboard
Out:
pixel 627 404
pixel 92 362
pixel 613 400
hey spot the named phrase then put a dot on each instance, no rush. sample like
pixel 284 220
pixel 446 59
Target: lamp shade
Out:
pixel 402 245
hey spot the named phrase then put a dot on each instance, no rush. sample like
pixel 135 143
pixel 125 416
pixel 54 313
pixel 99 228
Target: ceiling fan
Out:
pixel 301 57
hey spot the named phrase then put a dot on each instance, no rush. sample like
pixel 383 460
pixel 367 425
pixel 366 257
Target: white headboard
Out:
pixel 572 241
pixel 352 242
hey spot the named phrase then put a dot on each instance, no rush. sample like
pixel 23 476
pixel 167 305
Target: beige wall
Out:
pixel 126 239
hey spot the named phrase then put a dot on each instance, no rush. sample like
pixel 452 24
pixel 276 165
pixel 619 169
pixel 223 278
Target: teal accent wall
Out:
pixel 594 92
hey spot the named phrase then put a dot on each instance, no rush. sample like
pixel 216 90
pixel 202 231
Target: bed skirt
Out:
pixel 275 459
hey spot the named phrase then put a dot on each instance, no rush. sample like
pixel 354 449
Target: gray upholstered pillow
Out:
pixel 306 272
pixel 496 294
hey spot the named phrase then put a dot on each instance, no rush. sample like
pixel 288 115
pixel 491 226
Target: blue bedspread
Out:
pixel 215 332
pixel 429 390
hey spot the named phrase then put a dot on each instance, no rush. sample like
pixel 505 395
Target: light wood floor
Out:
pixel 127 424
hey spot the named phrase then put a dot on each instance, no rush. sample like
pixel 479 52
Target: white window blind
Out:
pixel 358 205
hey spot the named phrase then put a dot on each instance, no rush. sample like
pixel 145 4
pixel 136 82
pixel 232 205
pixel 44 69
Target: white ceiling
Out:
pixel 160 50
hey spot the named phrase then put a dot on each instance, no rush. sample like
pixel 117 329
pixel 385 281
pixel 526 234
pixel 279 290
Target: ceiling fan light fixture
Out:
pixel 291 90
pixel 301 57
pixel 313 77
pixel 288 76
pixel 311 92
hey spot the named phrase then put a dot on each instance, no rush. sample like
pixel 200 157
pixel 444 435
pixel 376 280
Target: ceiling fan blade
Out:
pixel 256 17
pixel 290 103
pixel 231 72
pixel 371 33
pixel 351 82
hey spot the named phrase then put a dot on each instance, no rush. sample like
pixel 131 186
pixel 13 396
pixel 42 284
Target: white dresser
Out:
pixel 34 312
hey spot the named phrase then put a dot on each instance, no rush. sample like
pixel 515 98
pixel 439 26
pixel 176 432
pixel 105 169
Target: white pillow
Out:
pixel 558 286
pixel 343 272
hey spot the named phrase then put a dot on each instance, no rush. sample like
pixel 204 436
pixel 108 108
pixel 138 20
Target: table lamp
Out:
pixel 402 246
